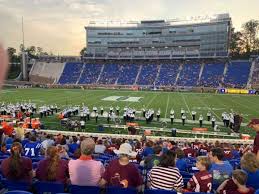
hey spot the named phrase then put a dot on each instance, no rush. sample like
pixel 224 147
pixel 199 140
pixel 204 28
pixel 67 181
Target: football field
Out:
pixel 246 105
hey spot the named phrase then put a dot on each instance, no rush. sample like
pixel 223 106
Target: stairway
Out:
pixel 80 74
pixel 139 71
pixel 100 74
pixel 250 75
pixel 178 74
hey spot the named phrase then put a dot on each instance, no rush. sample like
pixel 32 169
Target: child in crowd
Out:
pixel 236 185
pixel 202 180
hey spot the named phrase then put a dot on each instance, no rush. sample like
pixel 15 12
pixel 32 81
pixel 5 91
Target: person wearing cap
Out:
pixel 85 171
pixel 254 124
pixel 122 173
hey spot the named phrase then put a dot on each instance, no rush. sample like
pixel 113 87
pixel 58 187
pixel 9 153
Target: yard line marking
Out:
pixel 186 104
pixel 152 100
pixel 167 106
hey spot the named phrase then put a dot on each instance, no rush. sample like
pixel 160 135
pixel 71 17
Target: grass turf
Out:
pixel 200 102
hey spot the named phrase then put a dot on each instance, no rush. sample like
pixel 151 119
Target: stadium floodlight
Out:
pixel 166 47
pixel 140 48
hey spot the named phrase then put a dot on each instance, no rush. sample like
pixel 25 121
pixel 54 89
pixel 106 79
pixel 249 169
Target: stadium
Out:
pixel 142 92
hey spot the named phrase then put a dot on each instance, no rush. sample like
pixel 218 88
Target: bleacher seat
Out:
pixel 75 189
pixel 18 192
pixel 189 75
pixel 127 74
pixel 148 74
pixel 115 190
pixel 237 74
pixel 16 185
pixel 109 74
pixel 167 75
pixel 71 73
pixel 159 191
pixel 90 74
pixel 212 75
pixel 49 187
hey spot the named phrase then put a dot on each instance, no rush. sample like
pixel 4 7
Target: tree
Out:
pixel 11 52
pixel 250 36
pixel 235 43
pixel 82 52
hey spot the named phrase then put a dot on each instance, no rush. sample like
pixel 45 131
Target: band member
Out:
pixel 213 120
pixel 172 118
pixel 193 115
pixel 117 110
pixel 96 117
pixel 101 110
pixel 208 115
pixel 182 111
pixel 183 119
pixel 201 120
pixel 158 115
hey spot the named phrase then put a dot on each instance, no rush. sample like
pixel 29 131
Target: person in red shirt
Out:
pixel 202 180
pixel 52 168
pixel 17 167
pixel 254 124
pixel 236 185
pixel 189 152
pixel 122 173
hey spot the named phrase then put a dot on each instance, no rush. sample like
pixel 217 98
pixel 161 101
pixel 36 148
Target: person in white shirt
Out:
pixel 193 115
pixel 47 142
pixel 172 118
pixel 99 147
pixel 213 120
pixel 183 119
pixel 158 115
pixel 201 120
pixel 208 115
pixel 182 111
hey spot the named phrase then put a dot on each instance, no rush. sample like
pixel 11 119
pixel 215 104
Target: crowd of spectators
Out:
pixel 130 163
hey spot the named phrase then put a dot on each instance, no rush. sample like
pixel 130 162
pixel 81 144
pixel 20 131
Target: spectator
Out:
pixel 3 150
pixel 148 149
pixel 73 146
pixel 181 163
pixel 189 151
pixel 154 159
pixel 122 173
pixel 221 170
pixel 254 124
pixel 202 180
pixel 99 148
pixel 236 185
pixel 48 142
pixel 33 148
pixel 85 171
pixel 17 167
pixel 166 176
pixel 52 168
pixel 251 166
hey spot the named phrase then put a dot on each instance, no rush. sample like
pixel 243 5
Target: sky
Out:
pixel 58 25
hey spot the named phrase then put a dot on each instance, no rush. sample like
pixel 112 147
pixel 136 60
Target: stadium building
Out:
pixel 192 38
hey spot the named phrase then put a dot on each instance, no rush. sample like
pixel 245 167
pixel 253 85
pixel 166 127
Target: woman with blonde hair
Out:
pixel 52 168
pixel 250 164
pixel 17 167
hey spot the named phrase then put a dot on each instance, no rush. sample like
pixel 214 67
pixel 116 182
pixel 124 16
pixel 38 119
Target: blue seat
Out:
pixel 75 189
pixel 196 193
pixel 116 190
pixel 186 174
pixel 257 191
pixel 18 192
pixel 159 191
pixel 16 185
pixel 49 187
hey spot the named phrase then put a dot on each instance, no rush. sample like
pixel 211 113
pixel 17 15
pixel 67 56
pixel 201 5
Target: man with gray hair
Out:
pixel 85 171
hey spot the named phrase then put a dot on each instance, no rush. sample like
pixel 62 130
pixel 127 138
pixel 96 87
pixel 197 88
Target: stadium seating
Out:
pixel 212 75
pixel 148 74
pixel 237 74
pixel 18 192
pixel 71 73
pixel 49 187
pixel 43 72
pixel 90 74
pixel 168 74
pixel 158 191
pixel 189 75
pixel 255 76
pixel 109 74
pixel 128 74
pixel 75 189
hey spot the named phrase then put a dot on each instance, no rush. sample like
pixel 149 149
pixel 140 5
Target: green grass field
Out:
pixel 246 105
